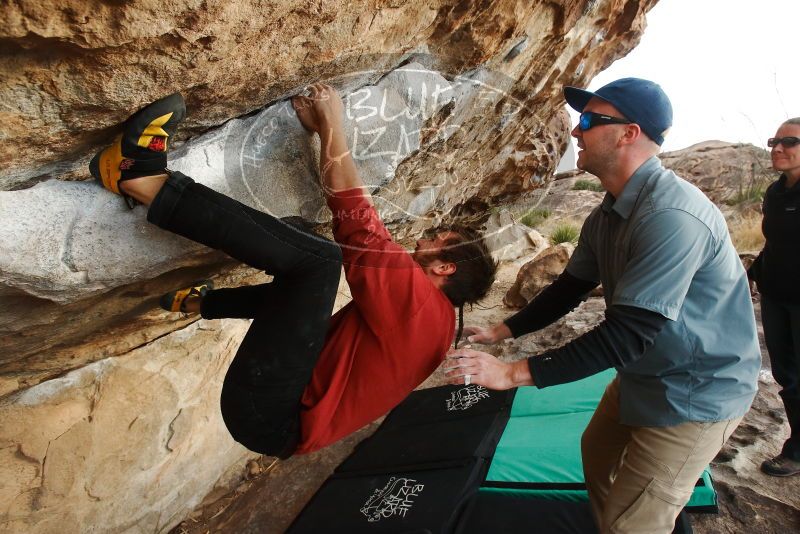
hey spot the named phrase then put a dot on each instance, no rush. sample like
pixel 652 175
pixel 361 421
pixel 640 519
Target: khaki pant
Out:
pixel 639 478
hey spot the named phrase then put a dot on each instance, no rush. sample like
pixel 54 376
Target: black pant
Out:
pixel 782 335
pixel 261 393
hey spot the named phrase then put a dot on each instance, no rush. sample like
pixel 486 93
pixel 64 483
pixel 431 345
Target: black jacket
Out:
pixel 776 271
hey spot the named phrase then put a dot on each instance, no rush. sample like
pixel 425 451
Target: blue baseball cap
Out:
pixel 640 101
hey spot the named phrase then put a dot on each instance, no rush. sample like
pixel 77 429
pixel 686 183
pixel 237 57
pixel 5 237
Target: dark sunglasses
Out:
pixel 787 142
pixel 590 119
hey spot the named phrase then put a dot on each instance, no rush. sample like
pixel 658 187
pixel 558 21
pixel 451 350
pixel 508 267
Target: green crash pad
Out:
pixel 580 396
pixel 539 452
pixel 543 448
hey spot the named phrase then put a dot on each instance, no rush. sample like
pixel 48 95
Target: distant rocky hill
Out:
pixel 732 175
pixel 720 169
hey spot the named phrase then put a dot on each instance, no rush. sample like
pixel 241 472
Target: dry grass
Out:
pixel 535 217
pixel 565 232
pixel 588 185
pixel 745 231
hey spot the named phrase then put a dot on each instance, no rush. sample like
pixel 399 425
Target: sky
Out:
pixel 731 68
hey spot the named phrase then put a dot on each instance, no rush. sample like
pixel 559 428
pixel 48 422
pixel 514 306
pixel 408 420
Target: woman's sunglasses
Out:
pixel 590 119
pixel 787 142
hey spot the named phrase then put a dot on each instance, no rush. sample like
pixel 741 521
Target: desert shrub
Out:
pixel 565 233
pixel 534 217
pixel 752 192
pixel 587 185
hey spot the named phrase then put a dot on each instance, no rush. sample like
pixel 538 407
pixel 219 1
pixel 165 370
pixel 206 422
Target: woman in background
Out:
pixel 776 272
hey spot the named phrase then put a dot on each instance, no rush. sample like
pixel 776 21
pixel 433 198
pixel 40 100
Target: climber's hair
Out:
pixel 794 122
pixel 475 269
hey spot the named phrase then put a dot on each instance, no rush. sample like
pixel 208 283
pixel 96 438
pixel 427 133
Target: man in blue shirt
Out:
pixel 679 325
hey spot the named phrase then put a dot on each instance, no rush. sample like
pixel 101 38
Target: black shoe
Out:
pixel 175 300
pixel 780 466
pixel 141 148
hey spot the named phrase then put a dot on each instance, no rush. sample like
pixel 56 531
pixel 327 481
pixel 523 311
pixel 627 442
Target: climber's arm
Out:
pixel 323 112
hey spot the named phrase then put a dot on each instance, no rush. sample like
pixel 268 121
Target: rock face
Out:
pixel 76 69
pixel 509 240
pixel 79 449
pixel 537 274
pixel 266 161
pixel 452 106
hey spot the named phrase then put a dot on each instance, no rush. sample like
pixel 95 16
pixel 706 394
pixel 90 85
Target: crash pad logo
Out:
pixel 395 499
pixel 466 397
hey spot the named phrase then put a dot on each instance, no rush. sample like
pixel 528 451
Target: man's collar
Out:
pixel 627 199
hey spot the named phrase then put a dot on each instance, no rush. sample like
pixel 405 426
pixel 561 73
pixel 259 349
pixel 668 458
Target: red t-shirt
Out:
pixel 383 344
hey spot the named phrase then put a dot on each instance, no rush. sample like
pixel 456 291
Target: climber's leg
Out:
pixel 262 390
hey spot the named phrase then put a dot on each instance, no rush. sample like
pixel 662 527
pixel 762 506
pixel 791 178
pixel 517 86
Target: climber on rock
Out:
pixel 302 379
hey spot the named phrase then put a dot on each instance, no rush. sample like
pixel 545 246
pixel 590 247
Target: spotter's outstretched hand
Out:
pixel 467 366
